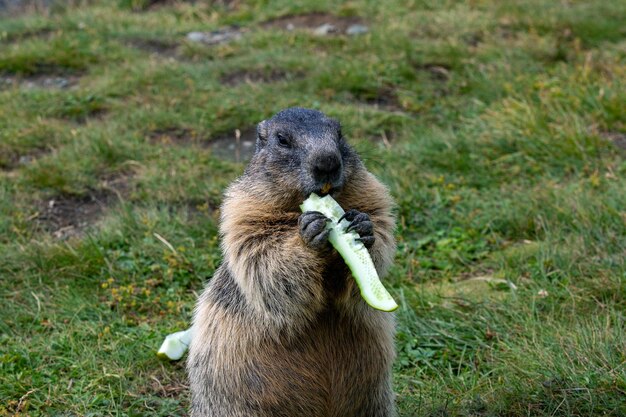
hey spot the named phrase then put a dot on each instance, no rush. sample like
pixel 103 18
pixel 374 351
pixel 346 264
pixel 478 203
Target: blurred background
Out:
pixel 499 127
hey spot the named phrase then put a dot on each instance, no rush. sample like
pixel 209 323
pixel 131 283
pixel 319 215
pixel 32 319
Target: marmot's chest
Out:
pixel 336 279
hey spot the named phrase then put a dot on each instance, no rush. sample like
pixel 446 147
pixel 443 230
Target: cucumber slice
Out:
pixel 175 345
pixel 353 252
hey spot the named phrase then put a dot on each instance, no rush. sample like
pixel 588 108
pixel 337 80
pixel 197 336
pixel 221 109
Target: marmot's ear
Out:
pixel 261 134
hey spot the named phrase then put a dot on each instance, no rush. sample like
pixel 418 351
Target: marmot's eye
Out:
pixel 283 140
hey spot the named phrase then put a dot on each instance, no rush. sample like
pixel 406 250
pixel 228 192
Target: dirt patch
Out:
pixel 12 160
pixel 160 47
pixel 237 146
pixel 69 215
pixel 39 81
pixel 314 21
pixel 118 183
pixel 255 76
pixel 384 98
pixel 616 138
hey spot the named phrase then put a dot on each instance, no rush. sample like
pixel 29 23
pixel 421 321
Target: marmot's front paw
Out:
pixel 313 229
pixel 360 223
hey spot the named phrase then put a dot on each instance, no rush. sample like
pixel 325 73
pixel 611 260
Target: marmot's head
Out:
pixel 303 151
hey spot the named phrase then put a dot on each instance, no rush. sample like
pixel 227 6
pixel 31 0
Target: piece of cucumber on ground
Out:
pixel 175 345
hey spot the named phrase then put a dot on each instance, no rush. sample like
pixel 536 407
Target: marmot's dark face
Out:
pixel 303 151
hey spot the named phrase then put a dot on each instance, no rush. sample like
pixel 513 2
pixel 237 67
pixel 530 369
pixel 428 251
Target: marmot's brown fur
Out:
pixel 281 329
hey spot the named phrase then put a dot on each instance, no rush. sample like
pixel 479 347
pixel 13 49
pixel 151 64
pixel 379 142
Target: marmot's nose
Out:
pixel 327 168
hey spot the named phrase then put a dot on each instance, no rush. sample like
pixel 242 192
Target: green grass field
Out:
pixel 499 126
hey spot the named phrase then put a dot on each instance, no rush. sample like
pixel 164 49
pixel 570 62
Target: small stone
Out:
pixel 290 26
pixel 324 29
pixel 215 37
pixel 357 30
pixel 25 159
pixel 196 36
pixel 55 82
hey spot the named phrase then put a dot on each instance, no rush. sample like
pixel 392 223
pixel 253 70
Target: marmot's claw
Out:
pixel 362 224
pixel 313 229
pixel 321 240
pixel 349 215
pixel 367 241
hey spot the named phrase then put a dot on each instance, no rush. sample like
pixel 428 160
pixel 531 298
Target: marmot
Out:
pixel 281 329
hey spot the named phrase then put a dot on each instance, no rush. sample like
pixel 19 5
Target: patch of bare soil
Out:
pixel 384 98
pixel 39 81
pixel 12 160
pixel 68 215
pixel 117 183
pixel 255 76
pixel 313 21
pixel 237 146
pixel 160 47
pixel 618 139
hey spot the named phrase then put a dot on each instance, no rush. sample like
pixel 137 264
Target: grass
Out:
pixel 498 126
